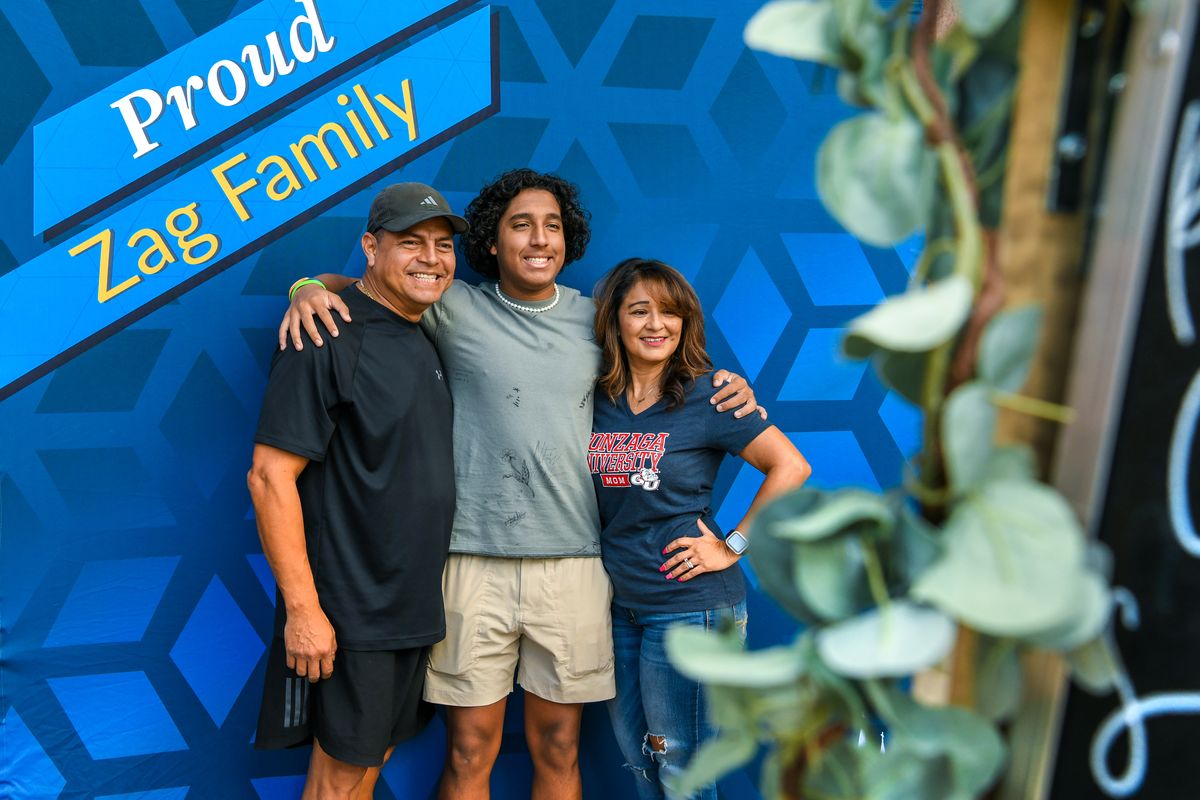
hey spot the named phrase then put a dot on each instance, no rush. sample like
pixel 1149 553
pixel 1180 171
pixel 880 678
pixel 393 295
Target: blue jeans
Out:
pixel 653 700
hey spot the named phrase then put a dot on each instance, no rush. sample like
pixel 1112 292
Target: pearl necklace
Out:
pixel 527 309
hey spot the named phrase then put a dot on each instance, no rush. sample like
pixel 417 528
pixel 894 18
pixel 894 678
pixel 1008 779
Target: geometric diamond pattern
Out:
pixel 27 771
pixel 658 52
pixel 574 24
pixel 204 15
pixel 287 787
pixel 820 371
pixel 217 650
pixel 262 571
pixel 837 459
pixel 205 390
pixel 694 150
pixel 109 377
pixel 117 714
pixel 92 28
pixel 903 421
pixel 834 268
pixel 22 91
pixel 664 159
pixel 111 601
pixel 748 135
pixel 752 314
pixel 176 793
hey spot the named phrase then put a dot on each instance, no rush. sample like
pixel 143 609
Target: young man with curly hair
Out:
pixel 526 596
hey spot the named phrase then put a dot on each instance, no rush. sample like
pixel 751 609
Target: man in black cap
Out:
pixel 353 489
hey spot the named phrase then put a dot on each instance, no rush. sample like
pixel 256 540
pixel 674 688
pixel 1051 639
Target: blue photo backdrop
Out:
pixel 135 603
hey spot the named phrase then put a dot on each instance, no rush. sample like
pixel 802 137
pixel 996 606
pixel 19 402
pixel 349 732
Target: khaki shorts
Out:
pixel 545 621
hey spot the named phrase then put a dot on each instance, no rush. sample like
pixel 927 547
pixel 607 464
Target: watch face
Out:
pixel 736 542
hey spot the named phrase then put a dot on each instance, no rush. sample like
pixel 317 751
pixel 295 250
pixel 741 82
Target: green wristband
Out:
pixel 305 282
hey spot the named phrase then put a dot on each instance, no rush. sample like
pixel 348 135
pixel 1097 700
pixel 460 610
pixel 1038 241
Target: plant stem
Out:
pixel 875 577
pixel 1042 409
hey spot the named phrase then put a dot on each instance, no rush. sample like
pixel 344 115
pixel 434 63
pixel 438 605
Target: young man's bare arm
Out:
pixel 309 639
pixel 311 303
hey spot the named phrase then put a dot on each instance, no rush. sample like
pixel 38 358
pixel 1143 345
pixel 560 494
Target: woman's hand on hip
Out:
pixel 694 555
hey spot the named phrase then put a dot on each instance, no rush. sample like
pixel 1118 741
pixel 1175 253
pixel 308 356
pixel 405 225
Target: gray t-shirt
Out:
pixel 522 385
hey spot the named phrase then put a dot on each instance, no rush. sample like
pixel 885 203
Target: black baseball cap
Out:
pixel 402 205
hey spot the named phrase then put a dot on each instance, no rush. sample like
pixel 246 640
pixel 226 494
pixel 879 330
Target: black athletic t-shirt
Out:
pixel 372 412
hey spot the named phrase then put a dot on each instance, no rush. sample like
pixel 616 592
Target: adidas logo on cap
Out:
pixel 429 201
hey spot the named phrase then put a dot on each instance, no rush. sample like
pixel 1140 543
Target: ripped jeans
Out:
pixel 659 716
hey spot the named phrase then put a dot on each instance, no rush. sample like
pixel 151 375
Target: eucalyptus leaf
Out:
pixel 837 773
pixel 896 641
pixel 801 29
pixel 773 559
pixel 838 511
pixel 904 372
pixel 830 576
pixel 874 174
pixel 1092 610
pixel 1010 462
pixel 973 745
pixel 968 427
pixel 983 17
pixel 902 775
pixel 916 321
pixel 915 547
pixel 715 658
pixel 1007 348
pixel 1093 666
pixel 998 678
pixel 715 758
pixel 1013 561
pixel 794 710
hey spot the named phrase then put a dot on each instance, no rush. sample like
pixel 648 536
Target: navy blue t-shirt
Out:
pixel 654 473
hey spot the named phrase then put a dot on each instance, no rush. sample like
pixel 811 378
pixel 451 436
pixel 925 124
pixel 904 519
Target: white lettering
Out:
pixel 307 38
pixel 320 44
pixel 279 65
pixel 182 98
pixel 217 89
pixel 135 124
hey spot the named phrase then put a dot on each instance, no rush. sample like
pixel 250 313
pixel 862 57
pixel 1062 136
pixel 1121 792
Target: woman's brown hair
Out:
pixel 688 362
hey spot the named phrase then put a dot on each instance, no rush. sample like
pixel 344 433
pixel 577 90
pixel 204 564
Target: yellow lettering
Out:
pixel 285 173
pixel 365 99
pixel 106 290
pixel 408 114
pixel 233 193
pixel 158 245
pixel 189 245
pixel 319 140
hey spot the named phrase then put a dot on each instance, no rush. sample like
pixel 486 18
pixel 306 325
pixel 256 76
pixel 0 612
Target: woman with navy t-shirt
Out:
pixel 655 449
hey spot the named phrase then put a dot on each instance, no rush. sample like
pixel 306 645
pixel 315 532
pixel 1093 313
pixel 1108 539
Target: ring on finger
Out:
pixel 689 563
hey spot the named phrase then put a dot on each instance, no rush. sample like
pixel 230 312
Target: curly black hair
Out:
pixel 485 211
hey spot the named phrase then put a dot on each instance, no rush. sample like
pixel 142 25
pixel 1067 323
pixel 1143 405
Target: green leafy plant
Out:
pixel 972 552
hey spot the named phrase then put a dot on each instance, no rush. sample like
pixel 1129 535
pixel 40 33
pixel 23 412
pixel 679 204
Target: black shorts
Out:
pixel 371 702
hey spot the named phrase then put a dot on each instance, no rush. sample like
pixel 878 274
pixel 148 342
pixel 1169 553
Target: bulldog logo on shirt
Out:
pixel 645 478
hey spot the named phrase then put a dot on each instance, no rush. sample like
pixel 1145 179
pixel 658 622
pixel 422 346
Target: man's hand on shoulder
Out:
pixel 310 643
pixel 734 393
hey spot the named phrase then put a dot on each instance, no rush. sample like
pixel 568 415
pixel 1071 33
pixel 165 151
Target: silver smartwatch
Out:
pixel 736 542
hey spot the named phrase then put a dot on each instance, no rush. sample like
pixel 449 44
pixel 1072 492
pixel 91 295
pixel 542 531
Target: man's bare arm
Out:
pixel 311 303
pixel 309 639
